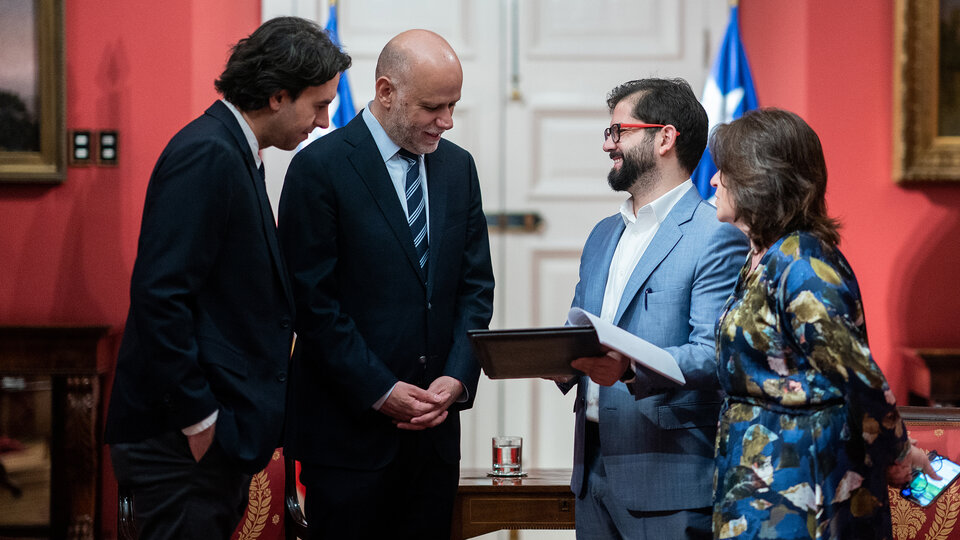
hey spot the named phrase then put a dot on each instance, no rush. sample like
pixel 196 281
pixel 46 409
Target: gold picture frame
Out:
pixel 33 121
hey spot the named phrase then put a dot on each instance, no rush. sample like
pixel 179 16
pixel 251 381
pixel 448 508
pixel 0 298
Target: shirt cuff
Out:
pixel 201 425
pixel 379 403
pixel 630 375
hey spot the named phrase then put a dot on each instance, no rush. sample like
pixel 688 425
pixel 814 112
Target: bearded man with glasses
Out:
pixel 661 268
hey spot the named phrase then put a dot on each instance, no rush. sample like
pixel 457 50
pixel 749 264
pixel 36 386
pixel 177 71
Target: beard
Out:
pixel 397 129
pixel 402 132
pixel 638 168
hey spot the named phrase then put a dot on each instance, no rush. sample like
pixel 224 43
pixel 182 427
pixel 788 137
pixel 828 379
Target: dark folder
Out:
pixel 533 352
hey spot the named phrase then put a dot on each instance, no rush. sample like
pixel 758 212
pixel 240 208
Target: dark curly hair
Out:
pixel 285 53
pixel 669 101
pixel 772 164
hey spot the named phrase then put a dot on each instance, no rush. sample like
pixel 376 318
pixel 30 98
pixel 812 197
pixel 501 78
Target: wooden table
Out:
pixel 540 500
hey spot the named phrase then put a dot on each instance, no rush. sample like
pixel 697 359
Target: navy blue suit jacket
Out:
pixel 657 438
pixel 211 308
pixel 367 316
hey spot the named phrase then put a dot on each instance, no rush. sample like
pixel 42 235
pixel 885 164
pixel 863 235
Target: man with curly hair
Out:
pixel 200 388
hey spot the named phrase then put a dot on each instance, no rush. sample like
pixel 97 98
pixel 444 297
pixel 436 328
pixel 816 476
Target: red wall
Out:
pixel 832 63
pixel 144 69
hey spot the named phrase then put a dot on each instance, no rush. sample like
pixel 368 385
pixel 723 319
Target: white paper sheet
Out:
pixel 637 349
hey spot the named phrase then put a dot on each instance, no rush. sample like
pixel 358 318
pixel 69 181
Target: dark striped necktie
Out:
pixel 416 206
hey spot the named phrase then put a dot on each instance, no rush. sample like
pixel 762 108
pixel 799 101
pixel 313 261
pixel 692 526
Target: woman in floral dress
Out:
pixel 809 433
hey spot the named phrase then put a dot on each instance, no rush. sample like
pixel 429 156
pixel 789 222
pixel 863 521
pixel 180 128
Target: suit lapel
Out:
pixel 437 185
pixel 368 163
pixel 661 245
pixel 220 111
pixel 598 270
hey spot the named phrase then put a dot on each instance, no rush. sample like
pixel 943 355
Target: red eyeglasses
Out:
pixel 615 129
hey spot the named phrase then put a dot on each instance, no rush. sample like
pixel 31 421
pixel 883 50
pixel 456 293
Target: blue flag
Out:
pixel 345 111
pixel 727 95
pixel 341 109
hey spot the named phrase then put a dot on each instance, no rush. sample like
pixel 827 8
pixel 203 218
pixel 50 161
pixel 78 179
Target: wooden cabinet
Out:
pixel 69 357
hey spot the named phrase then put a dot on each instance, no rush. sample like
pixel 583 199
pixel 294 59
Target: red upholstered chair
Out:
pixel 934 429
pixel 264 519
pixel 296 522
pixel 273 511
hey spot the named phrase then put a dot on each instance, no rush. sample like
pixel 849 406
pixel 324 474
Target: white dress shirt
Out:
pixel 640 230
pixel 396 165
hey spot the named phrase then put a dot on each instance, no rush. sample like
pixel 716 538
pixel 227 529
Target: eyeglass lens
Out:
pixel 615 130
pixel 612 131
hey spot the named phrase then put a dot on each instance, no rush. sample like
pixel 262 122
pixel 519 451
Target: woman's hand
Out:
pixel 901 473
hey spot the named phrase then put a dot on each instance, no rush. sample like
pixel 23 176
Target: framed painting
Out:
pixel 32 132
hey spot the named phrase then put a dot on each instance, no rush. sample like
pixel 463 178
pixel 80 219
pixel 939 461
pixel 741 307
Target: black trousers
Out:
pixel 412 497
pixel 177 497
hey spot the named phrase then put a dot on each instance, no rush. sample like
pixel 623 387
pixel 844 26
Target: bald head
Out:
pixel 412 51
pixel 418 84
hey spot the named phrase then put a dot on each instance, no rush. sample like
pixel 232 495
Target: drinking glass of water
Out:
pixel 507 455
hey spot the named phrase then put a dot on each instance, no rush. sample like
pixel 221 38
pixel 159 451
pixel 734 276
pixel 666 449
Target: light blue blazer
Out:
pixel 657 438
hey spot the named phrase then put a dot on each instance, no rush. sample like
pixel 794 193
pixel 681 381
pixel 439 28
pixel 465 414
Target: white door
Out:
pixel 536 75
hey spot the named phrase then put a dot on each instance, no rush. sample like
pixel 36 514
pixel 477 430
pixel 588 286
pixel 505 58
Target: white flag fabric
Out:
pixel 727 95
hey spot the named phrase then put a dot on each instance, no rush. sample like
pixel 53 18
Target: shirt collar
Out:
pixel 247 132
pixel 385 144
pixel 657 209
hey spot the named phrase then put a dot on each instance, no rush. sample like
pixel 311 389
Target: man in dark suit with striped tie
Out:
pixel 387 249
pixel 200 389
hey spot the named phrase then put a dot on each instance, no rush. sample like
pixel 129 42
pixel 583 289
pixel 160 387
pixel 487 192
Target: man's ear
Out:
pixel 668 139
pixel 386 92
pixel 277 99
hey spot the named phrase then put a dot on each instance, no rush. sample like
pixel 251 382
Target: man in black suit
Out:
pixel 387 249
pixel 200 388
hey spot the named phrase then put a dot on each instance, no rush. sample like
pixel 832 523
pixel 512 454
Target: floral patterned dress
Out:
pixel 809 424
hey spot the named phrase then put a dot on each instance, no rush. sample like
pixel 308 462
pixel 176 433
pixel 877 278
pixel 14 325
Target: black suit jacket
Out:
pixel 367 317
pixel 211 309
